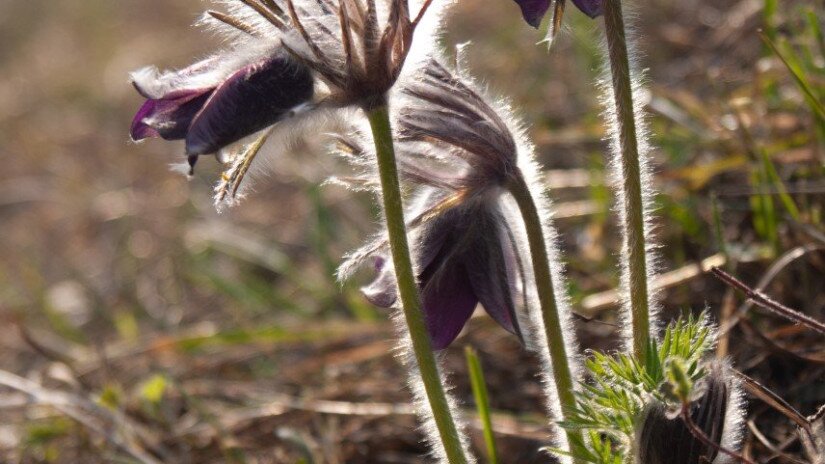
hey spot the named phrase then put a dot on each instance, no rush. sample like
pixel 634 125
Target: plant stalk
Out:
pixel 408 291
pixel 634 252
pixel 553 330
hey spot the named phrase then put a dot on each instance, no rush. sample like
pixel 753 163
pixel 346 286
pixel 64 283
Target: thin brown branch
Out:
pixel 772 399
pixel 766 302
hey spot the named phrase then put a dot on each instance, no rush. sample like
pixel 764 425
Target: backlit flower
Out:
pixel 460 153
pixel 357 51
pixel 212 104
pixel 286 57
pixel 463 257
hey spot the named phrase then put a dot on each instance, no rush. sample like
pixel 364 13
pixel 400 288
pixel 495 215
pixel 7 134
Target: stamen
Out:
pixel 231 179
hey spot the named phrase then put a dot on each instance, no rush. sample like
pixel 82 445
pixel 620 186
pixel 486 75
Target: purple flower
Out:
pixel 460 151
pixel 463 257
pixel 664 439
pixel 534 10
pixel 283 54
pixel 211 105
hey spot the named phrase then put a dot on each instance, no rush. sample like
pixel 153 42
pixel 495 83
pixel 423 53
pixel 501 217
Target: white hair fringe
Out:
pixel 616 177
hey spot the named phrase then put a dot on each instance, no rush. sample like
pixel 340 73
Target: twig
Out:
pixel 699 434
pixel 778 266
pixel 770 446
pixel 766 302
pixel 772 399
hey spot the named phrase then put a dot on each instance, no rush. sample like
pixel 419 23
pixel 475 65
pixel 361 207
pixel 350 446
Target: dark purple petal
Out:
pixel 533 10
pixel 448 300
pixel 491 281
pixel 252 99
pixel 139 129
pixel 591 8
pixel 382 291
pixel 434 236
pixel 168 117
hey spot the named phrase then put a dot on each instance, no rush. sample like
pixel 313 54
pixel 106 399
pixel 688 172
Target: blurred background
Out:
pixel 138 325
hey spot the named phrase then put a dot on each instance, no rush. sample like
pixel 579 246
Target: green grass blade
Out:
pixel 799 78
pixel 768 15
pixel 813 22
pixel 482 402
pixel 773 177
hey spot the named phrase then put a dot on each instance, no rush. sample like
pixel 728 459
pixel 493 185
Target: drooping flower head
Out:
pixel 460 153
pixel 464 256
pixel 286 56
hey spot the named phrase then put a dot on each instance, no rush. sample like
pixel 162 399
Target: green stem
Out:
pixel 634 252
pixel 553 329
pixel 482 396
pixel 408 291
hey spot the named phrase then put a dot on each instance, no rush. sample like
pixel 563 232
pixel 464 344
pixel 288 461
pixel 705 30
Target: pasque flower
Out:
pixel 479 226
pixel 463 256
pixel 285 55
pixel 461 152
pixel 211 104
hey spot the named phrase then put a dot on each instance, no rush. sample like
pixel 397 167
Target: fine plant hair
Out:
pixel 734 428
pixel 617 175
pixel 531 172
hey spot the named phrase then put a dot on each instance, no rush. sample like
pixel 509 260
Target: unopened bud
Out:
pixel 665 439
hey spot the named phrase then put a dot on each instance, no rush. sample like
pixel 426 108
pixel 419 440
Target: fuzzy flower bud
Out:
pixel 665 438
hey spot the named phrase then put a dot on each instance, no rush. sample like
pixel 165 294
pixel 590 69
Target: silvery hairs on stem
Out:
pixel 640 97
pixel 292 67
pixel 468 242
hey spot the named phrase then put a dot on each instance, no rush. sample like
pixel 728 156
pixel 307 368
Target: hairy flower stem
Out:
pixel 553 330
pixel 634 252
pixel 408 291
